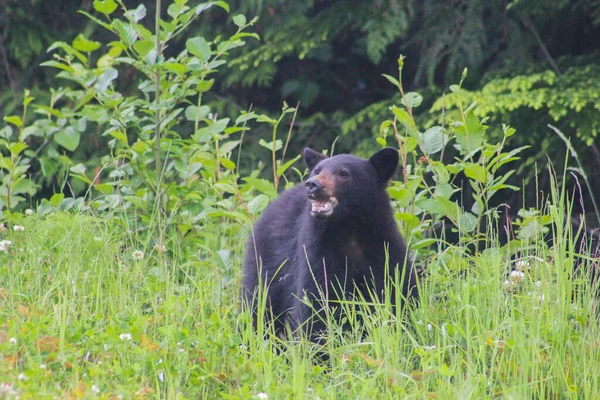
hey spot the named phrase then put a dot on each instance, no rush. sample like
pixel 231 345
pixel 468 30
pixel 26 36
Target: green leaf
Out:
pixel 16 148
pixel 227 163
pixel 68 138
pixel 412 100
pixel 136 14
pixel 106 7
pixel 58 65
pixel 193 113
pixel 105 79
pixel 239 20
pixel 57 199
pixel 392 79
pixel 126 32
pixel 262 185
pixel 433 140
pixel 177 68
pixel 199 47
pixel 205 86
pixel 476 171
pixel 15 120
pixel 82 44
pixel 269 145
pixel 258 203
pixel 143 47
pixel 282 168
pixel 454 88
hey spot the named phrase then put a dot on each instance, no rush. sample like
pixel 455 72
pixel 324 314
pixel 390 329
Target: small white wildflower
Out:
pixel 95 389
pixel 541 298
pixel 160 248
pixel 138 255
pixel 4 245
pixel 22 377
pixel 2 228
pixel 106 347
pixel 43 366
pixel 432 347
pixel 420 322
pixel 12 340
pixel 538 284
pixel 522 265
pixel 179 344
pixel 29 211
pixel 429 327
pixel 125 336
pixel 98 238
pixel 182 350
pixel 262 396
pixel 18 228
pixel 517 276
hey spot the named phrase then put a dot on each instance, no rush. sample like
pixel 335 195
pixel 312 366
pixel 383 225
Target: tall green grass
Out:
pixel 88 312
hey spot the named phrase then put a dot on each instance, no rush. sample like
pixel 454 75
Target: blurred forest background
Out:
pixel 530 64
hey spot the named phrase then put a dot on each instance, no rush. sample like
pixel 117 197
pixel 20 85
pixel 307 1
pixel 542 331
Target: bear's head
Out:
pixel 345 185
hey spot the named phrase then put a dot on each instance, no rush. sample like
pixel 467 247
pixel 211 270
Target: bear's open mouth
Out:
pixel 323 208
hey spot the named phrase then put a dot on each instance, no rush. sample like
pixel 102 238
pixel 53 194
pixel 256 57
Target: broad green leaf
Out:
pixel 57 199
pixel 239 20
pixel 82 44
pixel 467 222
pixel 205 86
pixel 68 138
pixel 15 120
pixel 227 163
pixel 16 148
pixel 454 88
pixel 228 147
pixel 143 47
pixel 443 190
pixel 106 7
pixel 269 145
pixel 258 203
pixel 177 68
pixel 137 13
pixel 476 171
pixel 105 79
pixel 193 113
pixel 126 32
pixel 262 185
pixel 412 100
pixel 199 47
pixel 433 140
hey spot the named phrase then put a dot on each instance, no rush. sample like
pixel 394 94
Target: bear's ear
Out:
pixel 312 158
pixel 385 162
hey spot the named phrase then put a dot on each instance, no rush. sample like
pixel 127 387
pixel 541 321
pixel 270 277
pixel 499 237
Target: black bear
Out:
pixel 325 239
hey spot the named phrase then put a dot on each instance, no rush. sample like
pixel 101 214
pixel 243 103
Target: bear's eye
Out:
pixel 317 171
pixel 344 173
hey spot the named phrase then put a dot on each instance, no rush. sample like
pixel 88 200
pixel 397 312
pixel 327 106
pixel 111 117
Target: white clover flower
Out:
pixel 160 248
pixel 429 327
pixel 517 276
pixel 29 211
pixel 182 350
pixel 12 340
pixel 538 284
pixel 522 265
pixel 4 245
pixel 138 255
pixel 95 389
pixel 43 366
pixel 262 396
pixel 508 285
pixel 22 377
pixel 125 336
pixel 18 228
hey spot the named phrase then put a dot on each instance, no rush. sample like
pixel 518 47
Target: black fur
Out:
pixel 299 250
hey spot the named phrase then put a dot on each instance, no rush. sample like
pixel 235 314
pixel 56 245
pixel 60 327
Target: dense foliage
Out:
pixel 134 163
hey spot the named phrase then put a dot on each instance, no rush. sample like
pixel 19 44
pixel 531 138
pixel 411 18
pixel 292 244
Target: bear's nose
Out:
pixel 313 186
